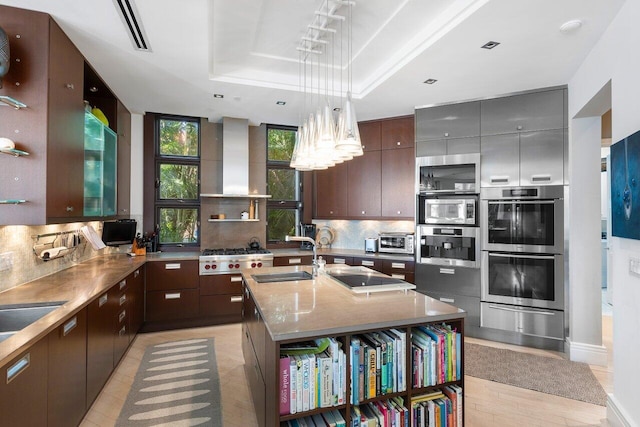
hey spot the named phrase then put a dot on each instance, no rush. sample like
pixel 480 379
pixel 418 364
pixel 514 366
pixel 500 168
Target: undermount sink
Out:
pixel 282 277
pixel 15 317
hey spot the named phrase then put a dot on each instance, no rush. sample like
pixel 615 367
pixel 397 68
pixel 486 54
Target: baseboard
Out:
pixel 616 415
pixel 587 353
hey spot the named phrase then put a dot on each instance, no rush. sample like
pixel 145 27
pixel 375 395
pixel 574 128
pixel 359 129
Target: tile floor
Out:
pixel 487 403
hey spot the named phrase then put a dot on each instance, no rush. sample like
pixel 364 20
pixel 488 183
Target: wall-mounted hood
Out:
pixel 235 160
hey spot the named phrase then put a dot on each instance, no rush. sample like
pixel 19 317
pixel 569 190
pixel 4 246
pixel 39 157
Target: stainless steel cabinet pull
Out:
pixel 549 257
pixel 339 261
pixel 398 265
pixel 236 279
pixel 21 364
pixel 175 295
pixel 447 271
pixel 69 326
pixel 447 300
pixel 235 299
pixel 538 178
pixel 498 179
pixel 122 315
pixel 122 331
pixel 123 284
pixel 398 276
pixel 522 202
pixel 103 300
pixel 521 310
pixel 136 273
pixel 172 266
pixel 295 261
pixel 123 299
pixel 368 263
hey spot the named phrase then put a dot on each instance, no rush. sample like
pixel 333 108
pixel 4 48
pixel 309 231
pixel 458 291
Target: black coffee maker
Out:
pixel 307 230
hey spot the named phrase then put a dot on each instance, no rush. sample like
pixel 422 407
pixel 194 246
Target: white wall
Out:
pixel 615 57
pixel 137 152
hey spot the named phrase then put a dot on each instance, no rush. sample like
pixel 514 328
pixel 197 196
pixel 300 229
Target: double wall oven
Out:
pixel 447 210
pixel 522 260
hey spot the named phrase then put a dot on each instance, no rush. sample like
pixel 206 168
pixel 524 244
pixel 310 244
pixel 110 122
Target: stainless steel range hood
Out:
pixel 235 160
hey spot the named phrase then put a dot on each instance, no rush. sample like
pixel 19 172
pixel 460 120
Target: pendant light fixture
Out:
pixel 320 142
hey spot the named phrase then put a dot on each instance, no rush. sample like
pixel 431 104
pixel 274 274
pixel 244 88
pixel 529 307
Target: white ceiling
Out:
pixel 246 51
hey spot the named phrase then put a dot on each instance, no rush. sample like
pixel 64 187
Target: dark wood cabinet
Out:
pixel 65 144
pixel 370 135
pixel 364 186
pixel 397 133
pixel 23 388
pixel 123 316
pixel 172 305
pixel 398 188
pixel 400 269
pixel 331 192
pixel 67 376
pixel 168 275
pixel 372 263
pixel 100 332
pixel 280 261
pixel 136 301
pixel 221 297
pixel 338 259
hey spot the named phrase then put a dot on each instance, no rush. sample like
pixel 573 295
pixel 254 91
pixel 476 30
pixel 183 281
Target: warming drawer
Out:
pixel 525 320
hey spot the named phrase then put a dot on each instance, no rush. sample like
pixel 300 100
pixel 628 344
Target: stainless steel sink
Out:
pixel 15 317
pixel 282 277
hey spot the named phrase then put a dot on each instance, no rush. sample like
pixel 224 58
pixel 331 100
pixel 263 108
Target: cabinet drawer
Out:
pixel 525 320
pixel 469 304
pixel 337 259
pixel 374 264
pixel 168 275
pixel 221 284
pixel 281 261
pixel 393 266
pixel 170 305
pixel 450 280
pixel 221 305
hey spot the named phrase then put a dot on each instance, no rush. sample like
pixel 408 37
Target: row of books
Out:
pixel 327 419
pixel 381 413
pixel 314 378
pixel 441 408
pixel 378 364
pixel 435 355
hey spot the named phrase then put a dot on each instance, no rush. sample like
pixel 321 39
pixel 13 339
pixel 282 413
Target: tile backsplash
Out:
pixel 18 262
pixel 351 234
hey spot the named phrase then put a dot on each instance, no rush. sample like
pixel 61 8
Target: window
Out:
pixel 177 174
pixel 283 183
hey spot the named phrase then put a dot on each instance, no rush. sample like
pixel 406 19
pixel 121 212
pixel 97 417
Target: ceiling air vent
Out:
pixel 129 15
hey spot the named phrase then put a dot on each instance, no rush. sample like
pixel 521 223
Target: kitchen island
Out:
pixel 280 313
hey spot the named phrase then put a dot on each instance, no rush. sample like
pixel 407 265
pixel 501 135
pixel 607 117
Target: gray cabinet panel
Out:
pixel 463 145
pixel 541 157
pixel 521 113
pixel 434 147
pixel 448 121
pixel 500 165
pixel 469 304
pixel 452 280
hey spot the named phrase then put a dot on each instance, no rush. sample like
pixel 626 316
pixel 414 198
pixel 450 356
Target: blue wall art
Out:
pixel 625 191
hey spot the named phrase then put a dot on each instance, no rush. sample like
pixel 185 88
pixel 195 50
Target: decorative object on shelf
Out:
pixel 254 243
pixel 319 142
pixel 244 215
pixel 12 102
pixel 100 115
pixel 5 56
pixel 325 237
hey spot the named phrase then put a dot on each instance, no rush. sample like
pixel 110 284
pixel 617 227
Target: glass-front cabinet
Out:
pixel 100 168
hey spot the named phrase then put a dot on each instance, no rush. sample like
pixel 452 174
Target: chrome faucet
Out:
pixel 288 238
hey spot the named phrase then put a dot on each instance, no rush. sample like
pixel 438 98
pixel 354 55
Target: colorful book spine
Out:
pixel 299 384
pixel 306 372
pixel 285 363
pixel 293 384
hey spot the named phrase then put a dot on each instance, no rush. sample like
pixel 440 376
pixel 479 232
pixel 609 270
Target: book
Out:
pixel 335 357
pixel 362 372
pixel 285 391
pixel 318 420
pixel 355 369
pixel 293 386
pixel 340 422
pixel 299 384
pixel 306 372
pixel 329 418
pixel 453 397
pixel 313 402
pixel 325 368
pixel 355 416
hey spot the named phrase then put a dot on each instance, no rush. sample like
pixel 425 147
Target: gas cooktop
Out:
pixel 230 260
pixel 234 251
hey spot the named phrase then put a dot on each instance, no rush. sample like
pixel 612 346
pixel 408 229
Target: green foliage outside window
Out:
pixel 178 181
pixel 281 143
pixel 178 138
pixel 178 225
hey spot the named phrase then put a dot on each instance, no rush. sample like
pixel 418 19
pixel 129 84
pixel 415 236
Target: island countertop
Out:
pixel 323 307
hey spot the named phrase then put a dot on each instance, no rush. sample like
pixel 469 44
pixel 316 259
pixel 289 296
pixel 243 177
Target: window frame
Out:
pixel 296 205
pixel 160 159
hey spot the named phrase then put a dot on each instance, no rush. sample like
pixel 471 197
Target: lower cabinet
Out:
pixel 67 376
pixel 221 297
pixel 281 261
pixel 171 290
pixel 172 305
pixel 100 336
pixel 26 375
pixel 372 263
pixel 403 270
pixel 469 304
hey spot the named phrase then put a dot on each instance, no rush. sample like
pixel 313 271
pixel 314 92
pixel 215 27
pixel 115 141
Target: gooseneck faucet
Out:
pixel 288 238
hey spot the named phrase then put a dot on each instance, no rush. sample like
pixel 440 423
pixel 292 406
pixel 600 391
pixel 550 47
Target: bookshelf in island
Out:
pixel 318 354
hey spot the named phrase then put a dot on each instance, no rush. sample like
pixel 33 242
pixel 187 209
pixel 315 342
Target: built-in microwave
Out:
pixel 447 209
pixel 455 173
pixel 396 242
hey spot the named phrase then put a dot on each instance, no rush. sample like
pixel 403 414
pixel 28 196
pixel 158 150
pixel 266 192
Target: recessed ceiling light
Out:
pixel 490 45
pixel 430 81
pixel 218 95
pixel 280 102
pixel 570 26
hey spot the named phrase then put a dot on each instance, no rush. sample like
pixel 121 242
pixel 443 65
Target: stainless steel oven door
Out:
pixel 449 246
pixel 523 225
pixel 531 280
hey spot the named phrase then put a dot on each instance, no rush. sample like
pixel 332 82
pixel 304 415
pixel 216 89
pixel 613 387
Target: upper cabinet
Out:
pixel 370 135
pixel 47 75
pixel 448 129
pixel 397 133
pixel 524 113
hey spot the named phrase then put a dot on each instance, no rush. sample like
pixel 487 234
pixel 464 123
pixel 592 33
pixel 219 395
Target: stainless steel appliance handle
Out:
pixel 522 202
pixel 522 310
pixel 521 256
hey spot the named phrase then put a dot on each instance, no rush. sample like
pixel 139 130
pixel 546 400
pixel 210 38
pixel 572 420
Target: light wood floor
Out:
pixel 487 403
